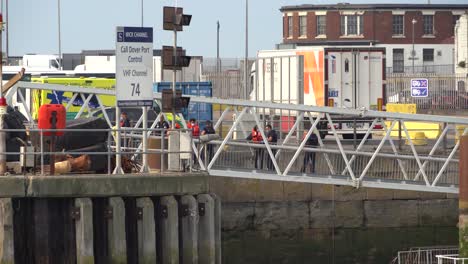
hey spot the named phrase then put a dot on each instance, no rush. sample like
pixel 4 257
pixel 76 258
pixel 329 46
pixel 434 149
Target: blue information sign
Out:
pixel 135 34
pixel 419 88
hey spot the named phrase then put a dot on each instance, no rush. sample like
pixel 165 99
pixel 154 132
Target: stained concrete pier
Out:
pixel 109 219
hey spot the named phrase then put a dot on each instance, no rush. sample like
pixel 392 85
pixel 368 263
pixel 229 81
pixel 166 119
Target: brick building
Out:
pixel 383 25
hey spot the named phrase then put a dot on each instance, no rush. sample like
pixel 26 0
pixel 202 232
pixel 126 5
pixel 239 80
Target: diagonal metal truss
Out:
pixel 339 163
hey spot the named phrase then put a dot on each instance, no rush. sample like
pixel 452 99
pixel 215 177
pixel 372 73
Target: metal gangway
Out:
pixel 383 153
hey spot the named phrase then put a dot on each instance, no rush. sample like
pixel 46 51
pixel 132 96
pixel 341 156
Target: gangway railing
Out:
pixel 99 156
pixel 387 149
pixel 424 255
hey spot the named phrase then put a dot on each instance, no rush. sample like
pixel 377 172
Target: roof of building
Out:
pixel 347 6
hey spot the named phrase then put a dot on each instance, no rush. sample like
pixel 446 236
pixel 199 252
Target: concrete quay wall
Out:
pixel 109 219
pixel 312 223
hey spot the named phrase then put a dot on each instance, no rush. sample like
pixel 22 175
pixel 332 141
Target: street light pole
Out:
pixel 59 36
pixel 218 64
pixel 246 48
pixel 7 31
pixel 141 13
pixel 3 109
pixel 413 52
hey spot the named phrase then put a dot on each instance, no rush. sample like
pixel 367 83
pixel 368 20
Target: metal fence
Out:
pixel 252 156
pixel 227 84
pixel 424 255
pixel 228 81
pixel 447 91
pixel 439 69
pixel 451 259
pixel 42 151
pixel 226 64
pixel 377 162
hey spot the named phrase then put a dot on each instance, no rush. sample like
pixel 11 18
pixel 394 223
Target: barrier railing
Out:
pixel 424 255
pixel 384 150
pixel 99 155
pixel 451 259
pixel 446 91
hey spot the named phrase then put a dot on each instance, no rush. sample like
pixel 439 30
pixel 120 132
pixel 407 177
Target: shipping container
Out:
pixel 200 111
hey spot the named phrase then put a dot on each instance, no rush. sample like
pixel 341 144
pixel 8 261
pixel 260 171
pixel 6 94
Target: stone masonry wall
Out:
pixel 280 222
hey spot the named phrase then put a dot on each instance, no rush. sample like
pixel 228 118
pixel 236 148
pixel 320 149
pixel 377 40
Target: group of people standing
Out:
pixel 207 130
pixel 255 136
pixel 272 138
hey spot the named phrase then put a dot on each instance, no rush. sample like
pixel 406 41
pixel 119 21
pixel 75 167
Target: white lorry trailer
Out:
pixel 346 77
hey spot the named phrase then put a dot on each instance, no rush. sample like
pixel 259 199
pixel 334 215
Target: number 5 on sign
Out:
pixel 135 89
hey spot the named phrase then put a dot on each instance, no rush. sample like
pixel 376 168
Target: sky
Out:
pixel 91 24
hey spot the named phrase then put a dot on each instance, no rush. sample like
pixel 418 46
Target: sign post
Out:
pixel 419 87
pixel 134 84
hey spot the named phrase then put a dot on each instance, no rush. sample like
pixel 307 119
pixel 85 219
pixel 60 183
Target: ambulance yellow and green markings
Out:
pixel 41 97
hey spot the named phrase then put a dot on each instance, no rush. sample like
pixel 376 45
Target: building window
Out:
pixel 351 25
pixel 398 60
pixel 302 26
pixel 428 23
pixel 321 25
pixel 398 25
pixel 428 55
pixel 290 26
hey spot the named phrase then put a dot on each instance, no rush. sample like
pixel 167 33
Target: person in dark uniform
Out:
pixel 272 139
pixel 162 124
pixel 312 141
pixel 207 130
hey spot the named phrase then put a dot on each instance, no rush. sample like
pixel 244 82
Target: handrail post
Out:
pixel 463 199
pixel 42 152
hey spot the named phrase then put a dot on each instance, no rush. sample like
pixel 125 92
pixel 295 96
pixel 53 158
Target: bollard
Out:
pixel 169 226
pixel 174 149
pixel 83 216
pixel 217 219
pixel 206 228
pixel 146 231
pixel 463 199
pixel 188 212
pixel 116 231
pixel 3 110
pixel 7 254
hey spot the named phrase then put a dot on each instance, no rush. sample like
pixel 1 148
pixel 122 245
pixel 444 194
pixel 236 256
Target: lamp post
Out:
pixel 218 64
pixel 59 36
pixel 246 48
pixel 413 52
pixel 141 13
pixel 3 109
pixel 6 30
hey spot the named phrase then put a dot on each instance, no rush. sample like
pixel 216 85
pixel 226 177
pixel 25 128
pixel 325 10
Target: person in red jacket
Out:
pixel 195 127
pixel 256 137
